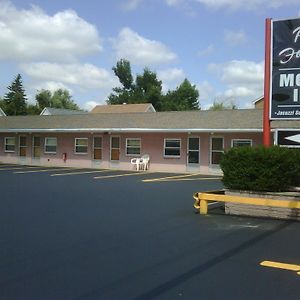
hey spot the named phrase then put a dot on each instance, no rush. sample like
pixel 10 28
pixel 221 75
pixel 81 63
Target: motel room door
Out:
pixel 193 152
pixel 22 146
pixel 115 148
pixel 36 147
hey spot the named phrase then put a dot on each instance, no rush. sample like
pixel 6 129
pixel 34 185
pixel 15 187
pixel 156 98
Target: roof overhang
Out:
pixel 154 130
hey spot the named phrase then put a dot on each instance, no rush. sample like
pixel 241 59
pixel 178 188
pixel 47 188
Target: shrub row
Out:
pixel 272 169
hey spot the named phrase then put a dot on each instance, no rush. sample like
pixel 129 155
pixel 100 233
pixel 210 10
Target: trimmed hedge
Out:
pixel 272 169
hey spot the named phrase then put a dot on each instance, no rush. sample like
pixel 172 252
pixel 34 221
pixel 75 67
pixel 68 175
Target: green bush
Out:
pixel 272 169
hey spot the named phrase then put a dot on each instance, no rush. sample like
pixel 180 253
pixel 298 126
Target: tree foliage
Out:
pixel 14 102
pixel 123 71
pixel 221 104
pixel 43 99
pixel 2 104
pixel 60 98
pixel 185 97
pixel 147 88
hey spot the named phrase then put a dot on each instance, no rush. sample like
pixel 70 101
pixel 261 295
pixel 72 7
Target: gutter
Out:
pixel 110 130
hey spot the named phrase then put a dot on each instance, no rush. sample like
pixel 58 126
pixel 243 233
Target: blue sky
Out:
pixel 217 44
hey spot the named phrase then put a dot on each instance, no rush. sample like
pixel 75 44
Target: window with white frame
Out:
pixel 172 147
pixel 97 147
pixel 133 146
pixel 217 150
pixel 9 144
pixel 241 143
pixel 81 145
pixel 50 145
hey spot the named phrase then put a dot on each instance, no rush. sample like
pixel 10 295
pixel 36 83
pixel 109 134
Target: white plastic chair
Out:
pixel 144 162
pixel 136 162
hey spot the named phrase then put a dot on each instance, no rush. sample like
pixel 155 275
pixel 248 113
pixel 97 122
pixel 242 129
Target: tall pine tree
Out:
pixel 15 98
pixel 185 97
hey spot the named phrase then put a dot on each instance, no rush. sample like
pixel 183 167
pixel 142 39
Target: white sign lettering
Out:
pixel 288 54
pixel 297 32
pixel 289 80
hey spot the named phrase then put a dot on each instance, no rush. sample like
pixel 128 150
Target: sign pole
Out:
pixel 266 117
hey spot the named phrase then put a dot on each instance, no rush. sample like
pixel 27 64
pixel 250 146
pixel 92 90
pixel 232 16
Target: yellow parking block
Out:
pixel 279 265
pixel 78 173
pixel 43 170
pixel 121 175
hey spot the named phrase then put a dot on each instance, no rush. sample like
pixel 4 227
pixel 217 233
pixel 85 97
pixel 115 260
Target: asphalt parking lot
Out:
pixel 102 234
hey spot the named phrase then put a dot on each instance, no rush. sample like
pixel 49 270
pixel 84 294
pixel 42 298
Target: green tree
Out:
pixel 43 99
pixel 58 99
pixel 147 88
pixel 221 104
pixel 123 94
pixel 185 97
pixel 15 98
pixel 62 99
pixel 123 71
pixel 2 104
pixel 33 109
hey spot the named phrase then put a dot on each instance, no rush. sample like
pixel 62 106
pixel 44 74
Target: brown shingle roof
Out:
pixel 227 120
pixel 123 108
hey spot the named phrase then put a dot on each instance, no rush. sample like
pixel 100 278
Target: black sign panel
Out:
pixel 285 70
pixel 288 138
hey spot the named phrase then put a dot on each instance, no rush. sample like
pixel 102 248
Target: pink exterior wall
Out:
pixel 151 143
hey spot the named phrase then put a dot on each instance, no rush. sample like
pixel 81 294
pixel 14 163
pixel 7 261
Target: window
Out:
pixel 133 146
pixel 241 143
pixel 97 148
pixel 81 145
pixel 172 147
pixel 217 145
pixel 50 144
pixel 9 144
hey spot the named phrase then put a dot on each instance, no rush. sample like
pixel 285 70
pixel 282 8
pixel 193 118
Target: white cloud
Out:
pixel 130 5
pixel 84 76
pixel 89 105
pixel 243 80
pixel 170 78
pixel 171 75
pixel 206 94
pixel 51 86
pixel 32 34
pixel 207 51
pixel 234 38
pixel 246 4
pixel 173 2
pixel 141 51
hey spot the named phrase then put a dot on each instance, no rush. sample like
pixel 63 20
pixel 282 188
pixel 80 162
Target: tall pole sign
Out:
pixel 285 70
pixel 267 85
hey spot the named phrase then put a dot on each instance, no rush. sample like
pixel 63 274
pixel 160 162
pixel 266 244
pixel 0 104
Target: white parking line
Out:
pixel 78 173
pixel 121 175
pixel 43 170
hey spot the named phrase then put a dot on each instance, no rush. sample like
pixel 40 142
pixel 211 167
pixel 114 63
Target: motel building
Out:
pixel 109 137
